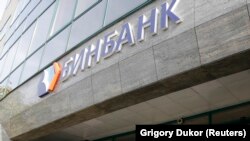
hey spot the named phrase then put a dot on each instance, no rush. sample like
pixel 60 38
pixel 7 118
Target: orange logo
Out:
pixel 49 80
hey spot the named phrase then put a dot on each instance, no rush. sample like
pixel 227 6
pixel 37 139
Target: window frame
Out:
pixel 60 30
pixel 52 32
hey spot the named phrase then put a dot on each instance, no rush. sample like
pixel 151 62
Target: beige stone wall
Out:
pixel 212 41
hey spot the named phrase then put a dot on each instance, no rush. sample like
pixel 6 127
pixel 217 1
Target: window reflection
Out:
pixel 55 47
pixel 117 8
pixel 5 28
pixel 87 24
pixel 38 11
pixel 31 65
pixel 5 49
pixel 9 33
pixel 63 16
pixel 42 29
pixel 31 5
pixel 83 5
pixel 24 44
pixel 38 32
pixel 2 61
pixel 9 60
pixel 25 2
pixel 20 11
pixel 13 38
pixel 19 31
pixel 14 78
pixel 1 49
pixel 17 12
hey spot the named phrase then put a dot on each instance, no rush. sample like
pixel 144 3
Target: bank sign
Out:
pixel 107 46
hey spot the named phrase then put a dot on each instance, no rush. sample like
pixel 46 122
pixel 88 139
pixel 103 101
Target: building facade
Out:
pixel 93 69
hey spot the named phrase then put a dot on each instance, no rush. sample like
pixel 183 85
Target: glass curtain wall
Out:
pixel 41 31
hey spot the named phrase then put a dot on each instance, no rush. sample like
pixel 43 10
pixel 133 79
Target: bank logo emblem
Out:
pixel 49 79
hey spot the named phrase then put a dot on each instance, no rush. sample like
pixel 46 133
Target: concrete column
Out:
pixel 3 134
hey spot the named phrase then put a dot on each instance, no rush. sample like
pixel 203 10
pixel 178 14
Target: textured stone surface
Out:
pixel 80 95
pixel 230 65
pixel 20 124
pixel 185 80
pixel 80 74
pixel 224 36
pixel 58 106
pixel 22 98
pixel 177 55
pixel 84 115
pixel 106 84
pixel 206 10
pixel 133 97
pixel 5 110
pixel 248 1
pixel 138 70
pixel 184 10
pixel 171 84
pixel 6 125
pixel 53 108
pixel 3 134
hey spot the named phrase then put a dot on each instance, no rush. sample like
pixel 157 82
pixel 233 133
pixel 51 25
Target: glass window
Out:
pixel 21 5
pixel 25 2
pixel 23 47
pixel 8 3
pixel 14 38
pixel 130 137
pixel 16 23
pixel 83 5
pixel 63 16
pixel 5 48
pixel 1 49
pixel 39 9
pixel 9 61
pixel 231 115
pixel 2 61
pixel 9 33
pixel 17 12
pixel 117 8
pixel 55 47
pixel 202 120
pixel 31 65
pixel 31 5
pixel 4 29
pixel 19 31
pixel 42 29
pixel 87 24
pixel 13 81
pixel 22 17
